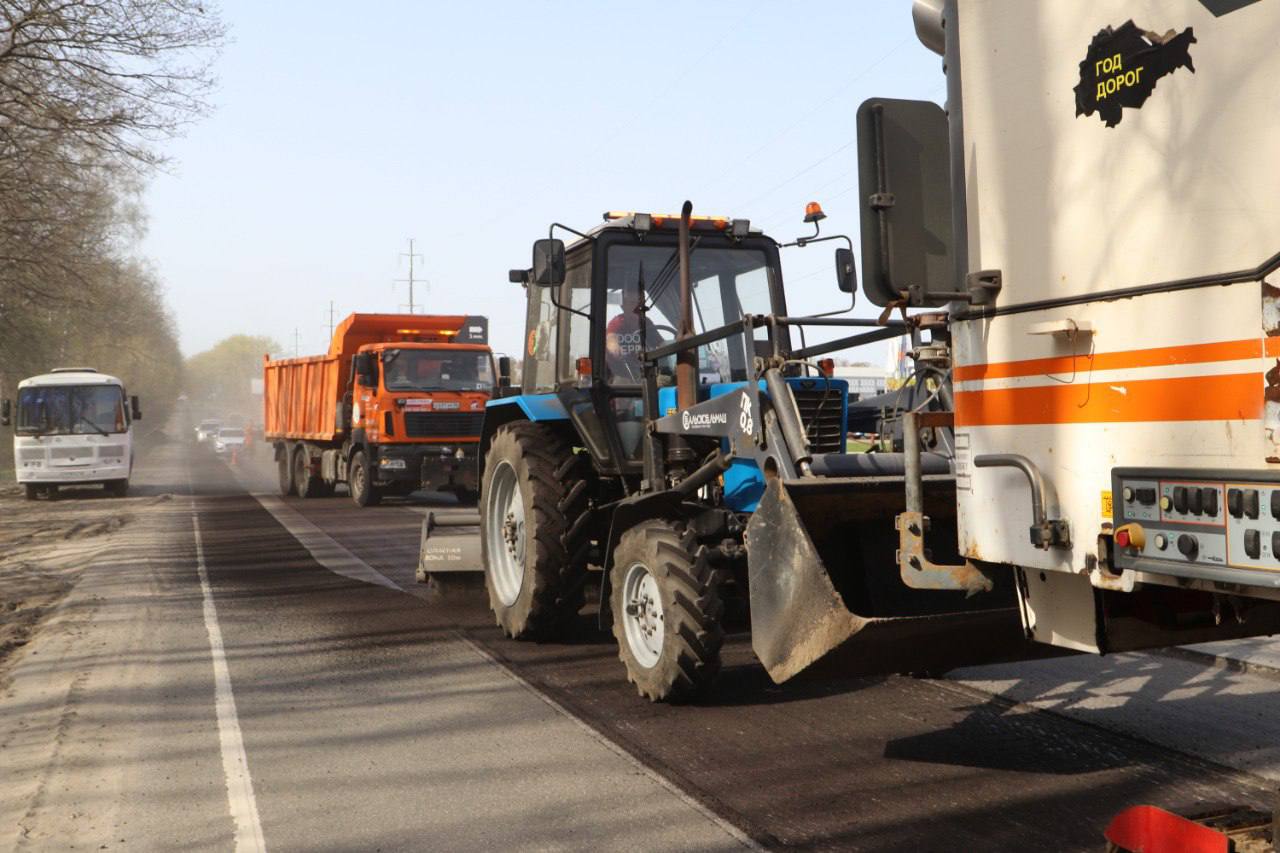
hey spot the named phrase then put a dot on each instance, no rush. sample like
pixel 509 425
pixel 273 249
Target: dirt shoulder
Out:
pixel 45 545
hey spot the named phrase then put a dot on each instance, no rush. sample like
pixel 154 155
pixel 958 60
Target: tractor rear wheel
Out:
pixel 533 501
pixel 666 606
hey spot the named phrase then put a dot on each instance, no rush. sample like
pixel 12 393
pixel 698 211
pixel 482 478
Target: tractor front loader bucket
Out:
pixel 449 553
pixel 827 594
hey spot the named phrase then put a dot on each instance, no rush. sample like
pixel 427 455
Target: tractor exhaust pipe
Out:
pixel 686 360
pixel 679 454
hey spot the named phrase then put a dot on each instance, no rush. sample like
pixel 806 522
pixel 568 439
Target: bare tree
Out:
pixel 107 77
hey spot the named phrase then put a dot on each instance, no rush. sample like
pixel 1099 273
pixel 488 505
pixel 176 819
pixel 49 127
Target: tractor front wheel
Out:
pixel 667 611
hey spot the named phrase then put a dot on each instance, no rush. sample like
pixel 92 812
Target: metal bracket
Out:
pixel 984 286
pixel 914 565
pixel 919 572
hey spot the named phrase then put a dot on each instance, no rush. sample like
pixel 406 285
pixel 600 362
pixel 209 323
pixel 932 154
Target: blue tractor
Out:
pixel 672 431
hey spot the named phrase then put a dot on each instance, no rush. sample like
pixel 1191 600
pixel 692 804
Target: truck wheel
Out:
pixel 117 488
pixel 532 501
pixel 305 481
pixel 284 472
pixel 360 481
pixel 666 607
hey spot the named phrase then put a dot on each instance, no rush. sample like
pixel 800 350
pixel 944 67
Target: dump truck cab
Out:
pixel 417 406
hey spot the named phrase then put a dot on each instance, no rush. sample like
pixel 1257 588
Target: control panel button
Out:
pixel 1162 541
pixel 1210 502
pixel 1275 545
pixel 1253 543
pixel 1275 504
pixel 1188 546
pixel 1195 501
pixel 1146 497
pixel 1128 494
pixel 1165 503
pixel 1235 503
pixel 1251 503
pixel 1180 499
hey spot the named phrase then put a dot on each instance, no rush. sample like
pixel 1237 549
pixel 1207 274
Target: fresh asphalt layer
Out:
pixel 371 717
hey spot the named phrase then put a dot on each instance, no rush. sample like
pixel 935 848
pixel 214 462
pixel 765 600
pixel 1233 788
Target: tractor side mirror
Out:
pixel 846 272
pixel 135 408
pixel 504 372
pixel 365 366
pixel 6 412
pixel 548 262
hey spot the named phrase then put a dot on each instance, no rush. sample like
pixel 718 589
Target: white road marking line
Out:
pixel 235 764
pixel 326 551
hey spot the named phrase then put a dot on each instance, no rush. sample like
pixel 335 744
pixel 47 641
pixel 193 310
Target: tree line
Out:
pixel 89 91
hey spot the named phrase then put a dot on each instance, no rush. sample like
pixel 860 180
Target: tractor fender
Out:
pixel 523 407
pixel 625 514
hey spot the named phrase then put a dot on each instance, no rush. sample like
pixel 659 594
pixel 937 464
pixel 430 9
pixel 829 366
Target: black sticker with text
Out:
pixel 1123 65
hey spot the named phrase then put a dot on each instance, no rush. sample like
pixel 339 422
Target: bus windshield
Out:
pixel 437 370
pixel 71 410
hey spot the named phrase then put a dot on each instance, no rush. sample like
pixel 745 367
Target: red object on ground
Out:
pixel 1147 829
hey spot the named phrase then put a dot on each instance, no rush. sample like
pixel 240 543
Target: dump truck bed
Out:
pixel 301 397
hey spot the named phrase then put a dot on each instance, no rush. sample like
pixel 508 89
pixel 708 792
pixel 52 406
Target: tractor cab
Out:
pixel 598 305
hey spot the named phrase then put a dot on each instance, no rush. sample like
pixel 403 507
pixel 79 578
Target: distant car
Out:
pixel 207 430
pixel 228 439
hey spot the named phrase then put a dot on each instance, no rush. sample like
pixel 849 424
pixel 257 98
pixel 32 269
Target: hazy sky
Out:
pixel 341 130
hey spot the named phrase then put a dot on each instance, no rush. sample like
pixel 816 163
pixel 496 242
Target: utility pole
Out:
pixel 330 319
pixel 295 341
pixel 410 280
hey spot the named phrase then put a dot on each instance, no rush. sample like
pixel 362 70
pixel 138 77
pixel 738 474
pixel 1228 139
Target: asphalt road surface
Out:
pixel 254 672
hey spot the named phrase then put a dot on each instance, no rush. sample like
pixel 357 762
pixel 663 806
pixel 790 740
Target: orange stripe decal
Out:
pixel 1236 396
pixel 1156 357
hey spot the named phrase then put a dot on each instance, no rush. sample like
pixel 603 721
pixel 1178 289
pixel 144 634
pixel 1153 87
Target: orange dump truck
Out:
pixel 396 405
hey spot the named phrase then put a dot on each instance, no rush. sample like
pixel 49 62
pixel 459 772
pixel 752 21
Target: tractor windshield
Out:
pixel 727 283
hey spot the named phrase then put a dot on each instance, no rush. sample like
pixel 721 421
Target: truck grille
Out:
pixel 451 424
pixel 110 451
pixel 31 454
pixel 821 414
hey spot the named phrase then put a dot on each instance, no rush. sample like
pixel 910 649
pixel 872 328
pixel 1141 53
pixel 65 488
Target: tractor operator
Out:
pixel 623 341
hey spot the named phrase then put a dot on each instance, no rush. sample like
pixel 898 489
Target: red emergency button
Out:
pixel 1131 536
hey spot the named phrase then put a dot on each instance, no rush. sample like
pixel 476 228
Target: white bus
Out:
pixel 72 426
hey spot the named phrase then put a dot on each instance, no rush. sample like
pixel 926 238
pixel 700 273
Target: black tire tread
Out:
pixel 559 479
pixel 692 606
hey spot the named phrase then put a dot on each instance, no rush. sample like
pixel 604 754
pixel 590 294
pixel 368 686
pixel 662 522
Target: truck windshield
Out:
pixel 71 410
pixel 727 283
pixel 437 370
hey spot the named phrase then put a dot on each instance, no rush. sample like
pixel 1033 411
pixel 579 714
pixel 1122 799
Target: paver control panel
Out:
pixel 1218 524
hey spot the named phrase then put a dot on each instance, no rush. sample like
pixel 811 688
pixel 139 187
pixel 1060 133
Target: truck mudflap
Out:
pixel 827 595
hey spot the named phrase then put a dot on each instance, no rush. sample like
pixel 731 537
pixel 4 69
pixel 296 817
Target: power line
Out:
pixel 410 280
pixel 840 90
